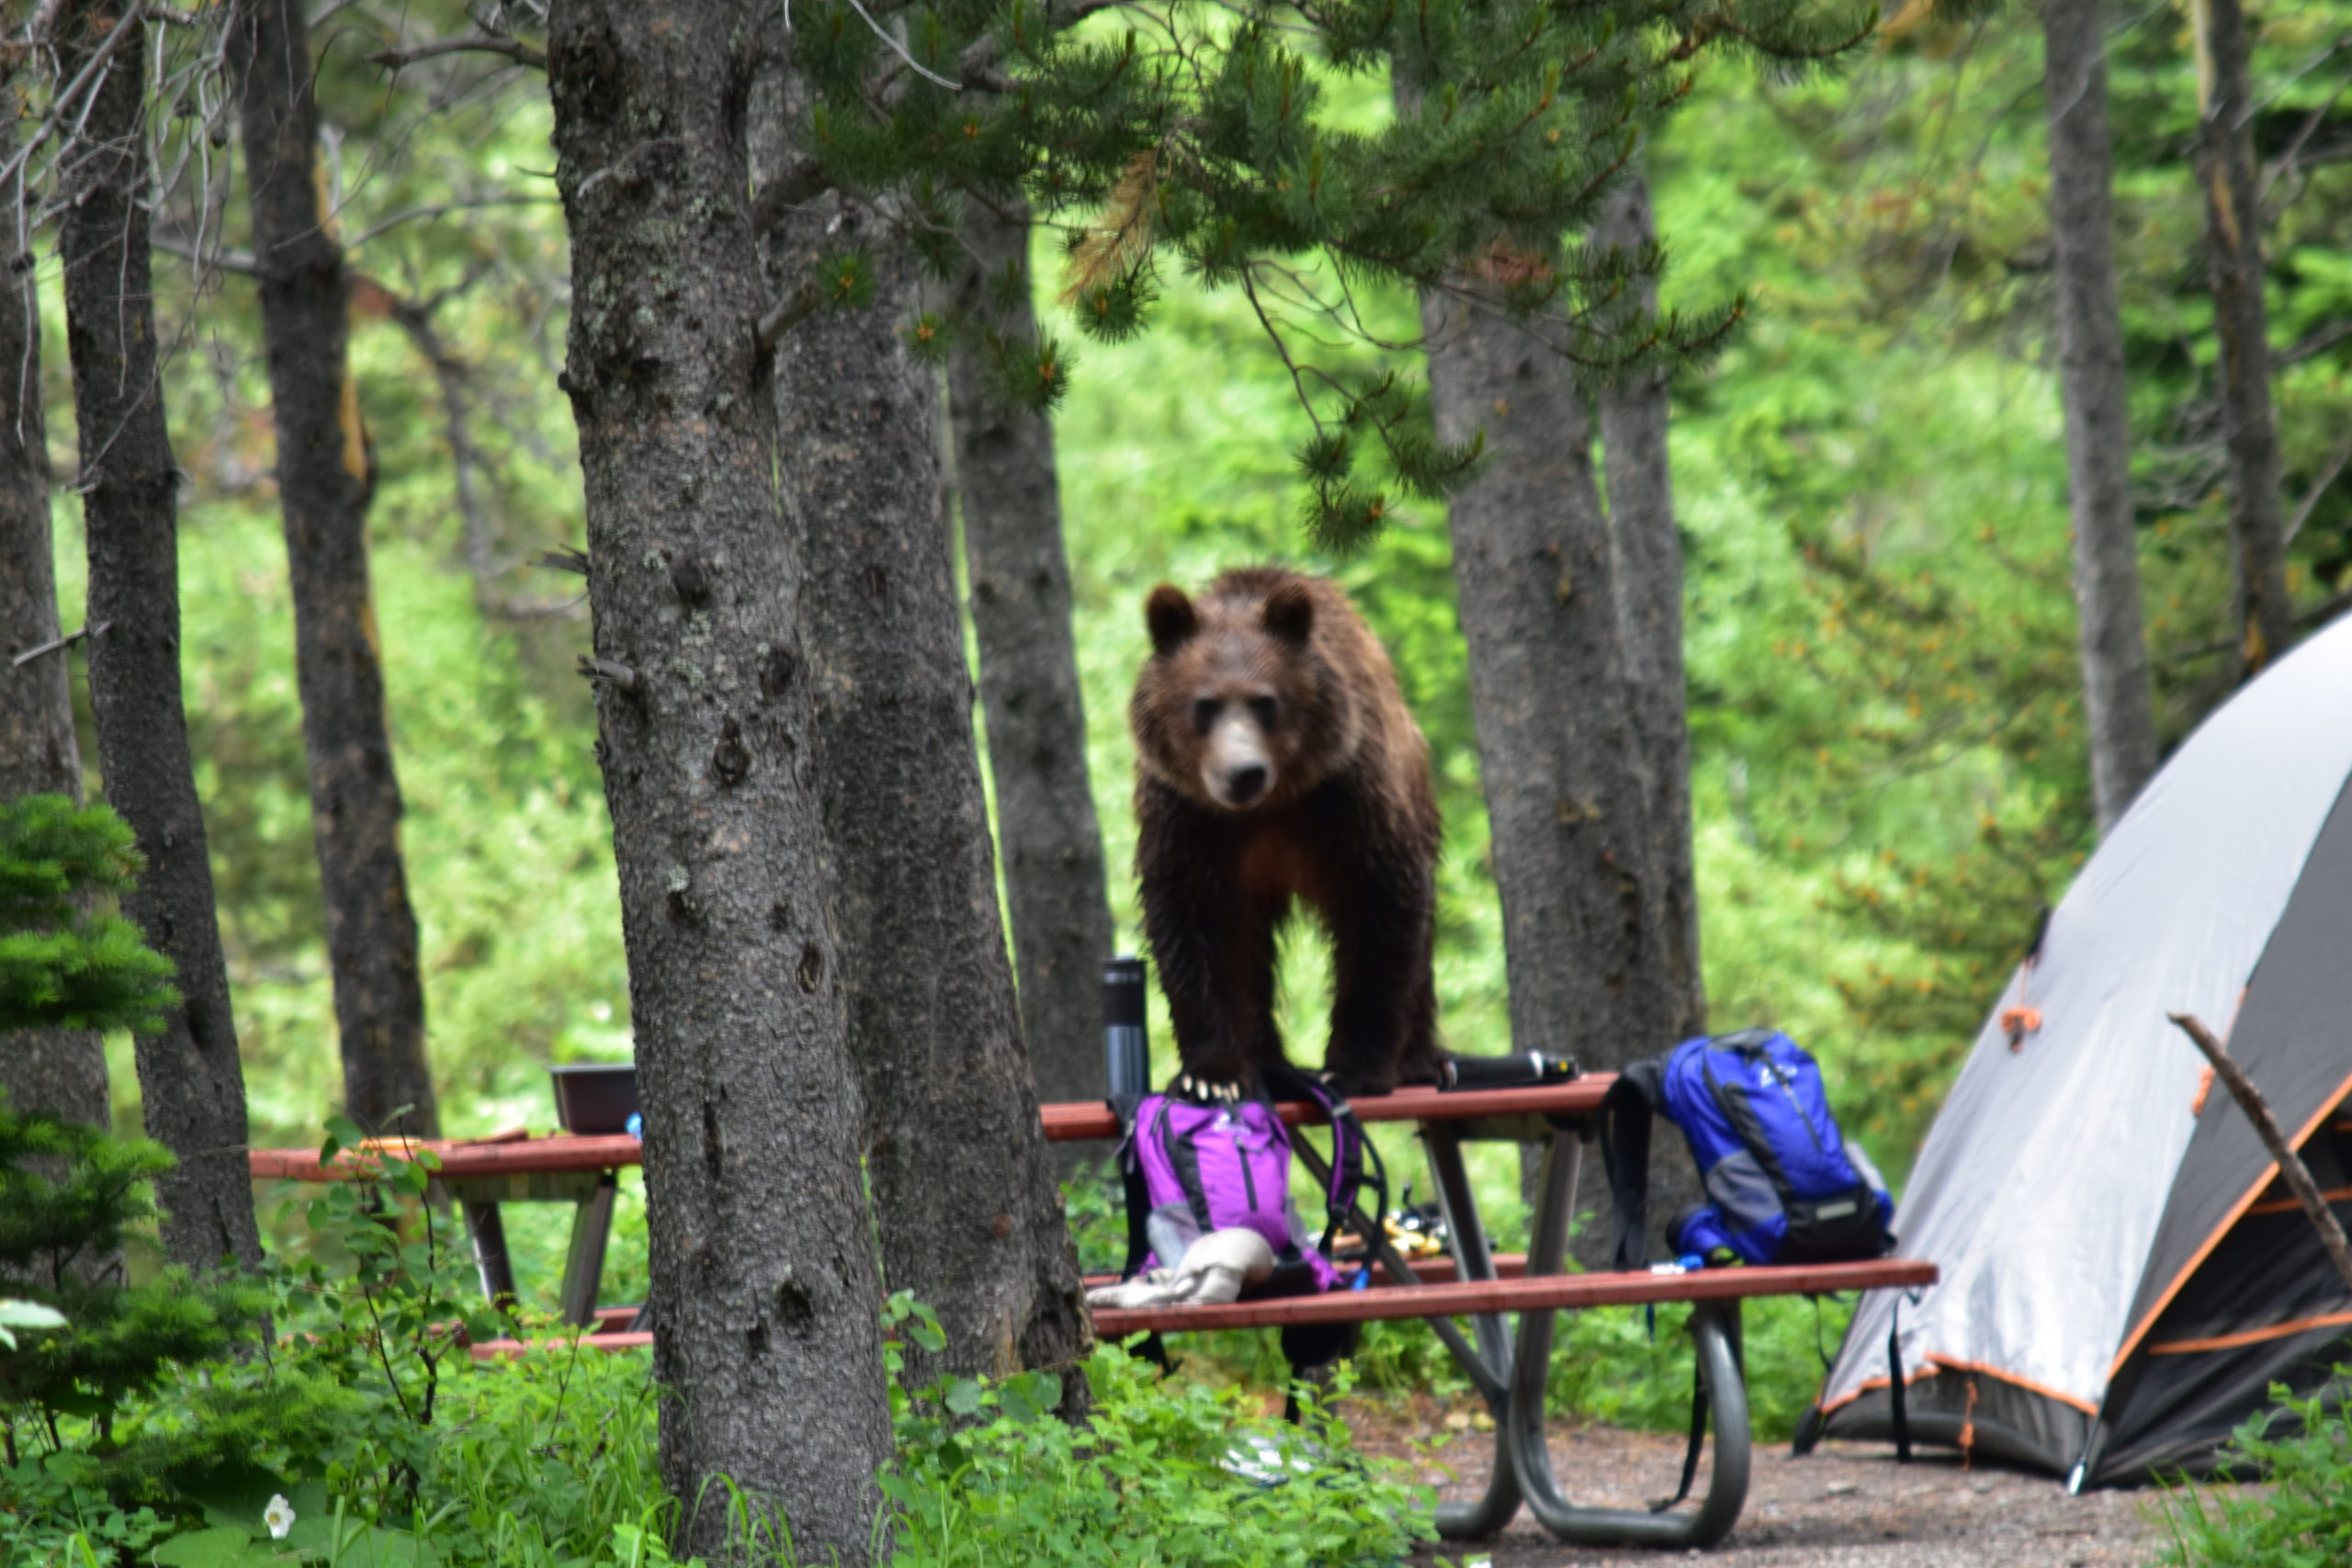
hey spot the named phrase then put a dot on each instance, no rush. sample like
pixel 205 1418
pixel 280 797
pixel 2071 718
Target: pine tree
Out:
pixel 62 965
pixel 68 1192
pixel 1195 139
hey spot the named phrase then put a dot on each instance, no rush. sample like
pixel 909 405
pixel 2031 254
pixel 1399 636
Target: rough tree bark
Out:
pixel 1021 607
pixel 1585 947
pixel 2225 167
pixel 325 477
pixel 963 1184
pixel 2116 700
pixel 191 1082
pixel 62 1071
pixel 1646 561
pixel 764 1283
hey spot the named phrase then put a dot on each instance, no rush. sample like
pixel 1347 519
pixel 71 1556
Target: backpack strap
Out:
pixel 1348 1147
pixel 1139 1199
pixel 1698 1437
pixel 1625 1116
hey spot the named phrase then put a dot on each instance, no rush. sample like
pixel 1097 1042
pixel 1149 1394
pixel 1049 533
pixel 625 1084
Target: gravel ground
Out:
pixel 1845 1506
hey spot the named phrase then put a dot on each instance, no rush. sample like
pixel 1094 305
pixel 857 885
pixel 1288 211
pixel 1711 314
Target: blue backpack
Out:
pixel 1783 1184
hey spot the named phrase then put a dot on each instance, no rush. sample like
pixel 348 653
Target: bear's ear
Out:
pixel 1171 618
pixel 1289 613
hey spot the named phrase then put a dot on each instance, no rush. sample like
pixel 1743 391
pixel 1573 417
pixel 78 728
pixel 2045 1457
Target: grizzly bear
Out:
pixel 1275 760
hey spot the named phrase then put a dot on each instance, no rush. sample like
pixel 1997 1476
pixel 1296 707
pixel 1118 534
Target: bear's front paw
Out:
pixel 1359 1082
pixel 1202 1090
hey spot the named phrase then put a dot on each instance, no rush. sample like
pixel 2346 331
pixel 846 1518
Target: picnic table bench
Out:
pixel 1507 1364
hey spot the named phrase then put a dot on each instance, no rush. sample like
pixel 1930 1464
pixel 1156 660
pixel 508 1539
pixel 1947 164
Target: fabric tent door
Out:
pixel 2123 1275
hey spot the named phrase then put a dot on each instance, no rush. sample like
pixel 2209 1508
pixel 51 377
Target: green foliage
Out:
pixel 62 965
pixel 1163 1471
pixel 1219 144
pixel 365 1416
pixel 69 1198
pixel 2303 1519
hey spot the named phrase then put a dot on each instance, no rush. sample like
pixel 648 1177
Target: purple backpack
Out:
pixel 1196 1162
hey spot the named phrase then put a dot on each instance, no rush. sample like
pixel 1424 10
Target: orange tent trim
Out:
pixel 1934 1363
pixel 2251 1336
pixel 2293 1205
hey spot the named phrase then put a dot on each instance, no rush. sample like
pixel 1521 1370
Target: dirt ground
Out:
pixel 1845 1506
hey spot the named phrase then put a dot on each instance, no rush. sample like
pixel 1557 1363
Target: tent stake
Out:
pixel 2291 1164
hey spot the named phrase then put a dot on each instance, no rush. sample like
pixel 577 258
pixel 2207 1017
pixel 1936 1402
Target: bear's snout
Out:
pixel 1237 770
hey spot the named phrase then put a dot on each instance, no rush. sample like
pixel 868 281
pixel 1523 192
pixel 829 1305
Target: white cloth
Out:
pixel 1216 1269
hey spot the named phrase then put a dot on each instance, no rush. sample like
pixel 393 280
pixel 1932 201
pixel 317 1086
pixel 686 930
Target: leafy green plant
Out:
pixel 1164 1471
pixel 2303 1519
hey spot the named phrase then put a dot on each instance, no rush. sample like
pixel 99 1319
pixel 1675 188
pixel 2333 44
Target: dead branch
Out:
pixel 516 50
pixel 243 263
pixel 55 644
pixel 131 16
pixel 2312 497
pixel 610 671
pixel 569 560
pixel 442 210
pixel 787 314
pixel 2290 1165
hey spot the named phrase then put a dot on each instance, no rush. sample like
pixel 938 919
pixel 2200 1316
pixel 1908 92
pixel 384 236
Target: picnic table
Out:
pixel 480 1174
pixel 1507 1362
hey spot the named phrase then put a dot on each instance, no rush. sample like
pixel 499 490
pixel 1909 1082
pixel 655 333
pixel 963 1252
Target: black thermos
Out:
pixel 1127 1050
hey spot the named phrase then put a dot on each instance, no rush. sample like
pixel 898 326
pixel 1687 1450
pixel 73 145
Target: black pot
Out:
pixel 595 1097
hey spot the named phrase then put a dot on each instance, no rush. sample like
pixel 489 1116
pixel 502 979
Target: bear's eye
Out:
pixel 1204 714
pixel 1263 710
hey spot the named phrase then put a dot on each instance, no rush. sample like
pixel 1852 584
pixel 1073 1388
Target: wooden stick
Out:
pixel 2291 1164
pixel 68 641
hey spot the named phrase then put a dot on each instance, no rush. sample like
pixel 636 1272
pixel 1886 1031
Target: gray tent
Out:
pixel 2123 1274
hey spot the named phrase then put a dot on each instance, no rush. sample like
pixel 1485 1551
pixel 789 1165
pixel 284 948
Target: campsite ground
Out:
pixel 1846 1505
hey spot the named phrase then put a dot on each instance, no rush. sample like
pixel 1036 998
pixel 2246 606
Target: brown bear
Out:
pixel 1275 760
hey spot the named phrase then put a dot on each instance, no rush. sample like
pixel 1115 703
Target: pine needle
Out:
pixel 1118 240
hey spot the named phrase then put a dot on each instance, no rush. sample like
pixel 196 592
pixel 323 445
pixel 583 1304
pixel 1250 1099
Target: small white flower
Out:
pixel 278 1517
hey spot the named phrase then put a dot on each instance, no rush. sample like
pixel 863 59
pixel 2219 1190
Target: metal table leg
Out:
pixel 584 1265
pixel 1473 1260
pixel 487 1233
pixel 1491 1382
pixel 1714 1329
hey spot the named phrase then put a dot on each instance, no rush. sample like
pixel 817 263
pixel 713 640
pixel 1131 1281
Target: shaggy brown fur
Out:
pixel 1275 760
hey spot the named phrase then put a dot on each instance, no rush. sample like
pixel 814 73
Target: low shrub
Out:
pixel 2303 1519
pixel 1164 1471
pixel 362 1434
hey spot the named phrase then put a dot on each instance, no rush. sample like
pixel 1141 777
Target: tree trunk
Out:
pixel 324 481
pixel 2225 167
pixel 1646 561
pixel 2116 698
pixel 191 1082
pixel 1585 948
pixel 964 1186
pixel 62 1071
pixel 1037 719
pixel 764 1287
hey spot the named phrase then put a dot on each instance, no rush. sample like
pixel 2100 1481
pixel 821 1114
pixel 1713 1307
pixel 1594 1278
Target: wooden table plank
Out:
pixel 515 1158
pixel 1578 1097
pixel 1079 1122
pixel 1464 1299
